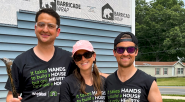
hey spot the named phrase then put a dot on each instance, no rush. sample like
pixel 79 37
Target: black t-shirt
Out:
pixel 37 80
pixel 70 91
pixel 135 89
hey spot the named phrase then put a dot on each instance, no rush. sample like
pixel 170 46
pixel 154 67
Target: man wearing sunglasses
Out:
pixel 129 84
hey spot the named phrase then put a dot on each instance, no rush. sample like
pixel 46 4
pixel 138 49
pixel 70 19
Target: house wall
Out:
pixel 178 65
pixel 15 39
pixel 151 70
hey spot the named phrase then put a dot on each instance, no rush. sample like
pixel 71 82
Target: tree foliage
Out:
pixel 160 29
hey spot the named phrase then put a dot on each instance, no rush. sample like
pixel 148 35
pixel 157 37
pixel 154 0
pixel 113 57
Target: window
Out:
pixel 165 71
pixel 157 71
pixel 180 71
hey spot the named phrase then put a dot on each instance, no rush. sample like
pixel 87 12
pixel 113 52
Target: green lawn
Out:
pixel 173 95
pixel 170 100
pixel 179 81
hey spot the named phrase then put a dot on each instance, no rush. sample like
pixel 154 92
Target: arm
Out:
pixel 71 68
pixel 154 93
pixel 104 75
pixel 10 98
pixel 15 76
pixel 65 92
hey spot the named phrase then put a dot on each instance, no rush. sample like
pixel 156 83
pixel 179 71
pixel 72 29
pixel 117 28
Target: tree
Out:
pixel 160 29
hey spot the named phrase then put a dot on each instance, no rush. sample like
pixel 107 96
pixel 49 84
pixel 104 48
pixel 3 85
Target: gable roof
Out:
pixel 140 63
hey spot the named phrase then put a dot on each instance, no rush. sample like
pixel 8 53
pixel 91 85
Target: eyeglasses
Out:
pixel 121 50
pixel 49 25
pixel 87 55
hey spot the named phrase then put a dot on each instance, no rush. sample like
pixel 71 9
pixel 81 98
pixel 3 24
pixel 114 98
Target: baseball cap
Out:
pixel 82 44
pixel 118 38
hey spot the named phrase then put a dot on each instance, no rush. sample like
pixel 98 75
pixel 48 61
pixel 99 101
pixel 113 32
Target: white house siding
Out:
pixel 16 39
pixel 147 70
pixel 151 70
pixel 173 71
pixel 178 65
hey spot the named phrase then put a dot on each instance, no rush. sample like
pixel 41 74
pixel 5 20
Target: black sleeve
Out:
pixel 7 85
pixel 105 87
pixel 65 92
pixel 71 68
pixel 16 75
pixel 155 79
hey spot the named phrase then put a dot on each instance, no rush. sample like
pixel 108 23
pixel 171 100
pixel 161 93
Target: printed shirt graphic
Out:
pixel 38 80
pixel 70 91
pixel 135 89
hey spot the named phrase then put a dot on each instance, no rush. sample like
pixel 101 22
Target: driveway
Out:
pixel 179 90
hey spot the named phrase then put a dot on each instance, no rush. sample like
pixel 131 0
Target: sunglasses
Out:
pixel 121 50
pixel 87 55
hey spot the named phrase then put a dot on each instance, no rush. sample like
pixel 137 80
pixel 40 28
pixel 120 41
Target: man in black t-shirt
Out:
pixel 129 84
pixel 38 72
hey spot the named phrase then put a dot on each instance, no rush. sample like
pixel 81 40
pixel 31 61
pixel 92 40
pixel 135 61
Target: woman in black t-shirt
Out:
pixel 85 84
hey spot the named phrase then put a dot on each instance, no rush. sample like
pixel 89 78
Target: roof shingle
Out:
pixel 155 63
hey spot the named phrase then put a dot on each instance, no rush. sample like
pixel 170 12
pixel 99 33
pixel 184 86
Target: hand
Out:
pixel 16 99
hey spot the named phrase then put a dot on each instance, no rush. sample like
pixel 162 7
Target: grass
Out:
pixel 177 81
pixel 171 100
pixel 173 95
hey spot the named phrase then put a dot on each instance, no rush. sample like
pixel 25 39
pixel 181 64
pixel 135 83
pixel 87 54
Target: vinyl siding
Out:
pixel 15 39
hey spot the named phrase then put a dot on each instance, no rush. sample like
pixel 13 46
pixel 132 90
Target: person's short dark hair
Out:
pixel 50 12
pixel 125 36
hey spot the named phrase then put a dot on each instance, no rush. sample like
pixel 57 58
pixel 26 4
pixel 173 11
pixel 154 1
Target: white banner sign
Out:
pixel 112 11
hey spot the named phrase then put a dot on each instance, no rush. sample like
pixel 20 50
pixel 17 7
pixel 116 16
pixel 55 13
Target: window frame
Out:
pixel 166 71
pixel 156 71
pixel 180 70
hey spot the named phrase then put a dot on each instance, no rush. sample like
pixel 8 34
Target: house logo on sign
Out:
pixel 107 12
pixel 48 4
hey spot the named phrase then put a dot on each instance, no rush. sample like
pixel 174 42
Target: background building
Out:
pixel 162 69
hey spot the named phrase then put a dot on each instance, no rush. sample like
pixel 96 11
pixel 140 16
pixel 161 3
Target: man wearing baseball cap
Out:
pixel 129 84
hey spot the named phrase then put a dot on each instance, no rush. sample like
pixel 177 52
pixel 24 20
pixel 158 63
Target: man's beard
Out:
pixel 125 66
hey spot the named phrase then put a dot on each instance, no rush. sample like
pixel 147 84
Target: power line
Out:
pixel 150 38
pixel 162 51
pixel 149 46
